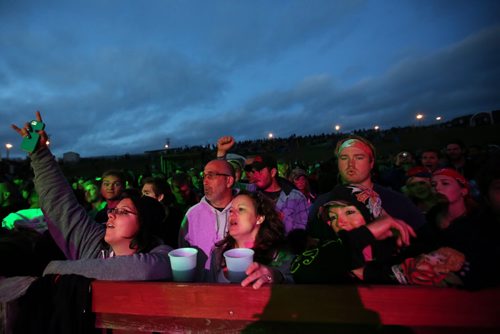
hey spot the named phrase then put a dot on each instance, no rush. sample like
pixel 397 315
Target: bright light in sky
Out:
pixel 337 127
pixel 8 146
pixel 119 76
pixel 438 118
pixel 270 135
pixel 419 117
pixel 376 128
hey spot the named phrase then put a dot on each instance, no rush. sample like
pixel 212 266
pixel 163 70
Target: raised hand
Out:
pixel 25 132
pixel 224 144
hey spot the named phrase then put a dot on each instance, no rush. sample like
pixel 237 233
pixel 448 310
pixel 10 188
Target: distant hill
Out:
pixel 481 129
pixel 387 142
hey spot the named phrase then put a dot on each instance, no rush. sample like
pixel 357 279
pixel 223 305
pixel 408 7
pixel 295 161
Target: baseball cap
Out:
pixel 366 200
pixel 236 159
pixel 296 172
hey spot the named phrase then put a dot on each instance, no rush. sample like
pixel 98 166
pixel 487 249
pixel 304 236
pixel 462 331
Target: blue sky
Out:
pixel 121 76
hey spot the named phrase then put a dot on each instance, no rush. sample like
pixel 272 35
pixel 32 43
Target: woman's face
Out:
pixel 244 223
pixel 122 225
pixel 300 182
pixel 448 187
pixel 91 193
pixel 345 218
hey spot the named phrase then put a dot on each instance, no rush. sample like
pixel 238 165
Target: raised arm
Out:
pixel 224 144
pixel 387 226
pixel 154 265
pixel 74 231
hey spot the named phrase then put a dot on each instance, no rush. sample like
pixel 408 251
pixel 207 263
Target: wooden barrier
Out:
pixel 138 307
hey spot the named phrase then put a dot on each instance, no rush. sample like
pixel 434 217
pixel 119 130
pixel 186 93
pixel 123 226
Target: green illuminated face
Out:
pixel 91 193
pixel 4 194
pixel 34 200
pixel 282 169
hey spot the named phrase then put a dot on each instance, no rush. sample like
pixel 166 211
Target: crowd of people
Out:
pixel 426 218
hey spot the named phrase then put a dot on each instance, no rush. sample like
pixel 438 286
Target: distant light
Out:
pixel 420 116
pixel 439 118
pixel 376 128
pixel 8 146
pixel 337 127
pixel 47 142
pixel 270 135
pixel 166 145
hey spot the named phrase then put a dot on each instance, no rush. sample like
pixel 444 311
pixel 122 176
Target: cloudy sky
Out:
pixel 121 76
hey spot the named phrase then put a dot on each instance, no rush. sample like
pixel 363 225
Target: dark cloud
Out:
pixel 115 80
pixel 110 97
pixel 249 33
pixel 456 80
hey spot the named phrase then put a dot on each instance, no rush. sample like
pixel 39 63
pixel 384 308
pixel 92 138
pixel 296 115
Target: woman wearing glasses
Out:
pixel 122 249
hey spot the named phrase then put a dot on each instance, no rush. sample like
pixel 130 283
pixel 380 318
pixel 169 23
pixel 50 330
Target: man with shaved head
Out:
pixel 206 223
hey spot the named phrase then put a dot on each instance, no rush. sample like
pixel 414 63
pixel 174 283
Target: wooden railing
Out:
pixel 137 307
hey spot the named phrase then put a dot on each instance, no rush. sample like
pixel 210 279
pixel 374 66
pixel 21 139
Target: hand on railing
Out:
pixel 259 274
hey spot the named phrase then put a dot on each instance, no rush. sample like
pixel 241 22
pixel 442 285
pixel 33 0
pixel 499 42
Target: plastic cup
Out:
pixel 237 261
pixel 183 264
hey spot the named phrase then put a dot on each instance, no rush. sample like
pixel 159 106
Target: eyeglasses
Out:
pixel 120 212
pixel 212 176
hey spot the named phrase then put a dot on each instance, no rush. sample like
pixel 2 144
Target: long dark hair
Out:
pixel 271 235
pixel 151 216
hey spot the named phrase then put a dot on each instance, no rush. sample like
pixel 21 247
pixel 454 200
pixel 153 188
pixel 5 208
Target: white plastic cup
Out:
pixel 183 264
pixel 237 262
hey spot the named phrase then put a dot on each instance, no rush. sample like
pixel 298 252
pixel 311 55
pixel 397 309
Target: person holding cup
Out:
pixel 255 242
pixel 125 248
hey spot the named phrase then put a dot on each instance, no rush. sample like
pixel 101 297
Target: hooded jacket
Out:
pixel 81 238
pixel 202 227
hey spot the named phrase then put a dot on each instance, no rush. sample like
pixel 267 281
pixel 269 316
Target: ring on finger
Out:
pixel 268 278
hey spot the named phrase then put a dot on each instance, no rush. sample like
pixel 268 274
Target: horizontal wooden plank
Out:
pixel 154 305
pixel 221 301
pixel 431 306
pixel 122 324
